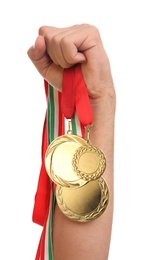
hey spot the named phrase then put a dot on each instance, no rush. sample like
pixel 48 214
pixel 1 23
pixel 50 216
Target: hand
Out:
pixel 59 48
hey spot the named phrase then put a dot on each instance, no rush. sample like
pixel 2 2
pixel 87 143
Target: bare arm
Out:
pixel 55 49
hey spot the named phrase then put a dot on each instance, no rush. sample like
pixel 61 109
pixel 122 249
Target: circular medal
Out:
pixel 58 160
pixel 85 203
pixel 89 162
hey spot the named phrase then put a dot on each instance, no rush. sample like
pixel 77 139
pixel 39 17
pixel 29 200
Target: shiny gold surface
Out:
pixel 85 203
pixel 89 162
pixel 58 160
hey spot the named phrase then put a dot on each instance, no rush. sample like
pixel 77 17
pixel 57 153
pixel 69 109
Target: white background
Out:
pixel 22 110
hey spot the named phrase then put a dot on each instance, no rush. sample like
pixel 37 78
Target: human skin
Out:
pixel 54 50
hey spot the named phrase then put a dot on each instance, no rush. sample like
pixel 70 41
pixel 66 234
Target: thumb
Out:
pixel 43 63
pixel 37 54
pixel 37 51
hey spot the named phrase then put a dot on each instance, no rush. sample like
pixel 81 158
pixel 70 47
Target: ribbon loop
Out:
pixel 75 96
pixel 68 93
pixel 83 107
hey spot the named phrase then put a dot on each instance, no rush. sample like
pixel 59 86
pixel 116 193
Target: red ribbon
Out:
pixel 75 96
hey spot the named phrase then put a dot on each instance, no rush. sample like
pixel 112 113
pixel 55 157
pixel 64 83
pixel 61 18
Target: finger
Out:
pixel 64 53
pixel 53 36
pixel 65 50
pixel 76 44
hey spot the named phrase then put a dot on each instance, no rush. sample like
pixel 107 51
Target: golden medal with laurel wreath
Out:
pixel 83 204
pixel 58 160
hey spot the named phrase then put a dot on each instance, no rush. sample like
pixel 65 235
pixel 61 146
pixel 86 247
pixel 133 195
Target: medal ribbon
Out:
pixel 75 96
pixel 73 100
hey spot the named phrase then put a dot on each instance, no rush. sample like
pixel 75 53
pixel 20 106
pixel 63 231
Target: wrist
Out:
pixel 104 98
pixel 103 107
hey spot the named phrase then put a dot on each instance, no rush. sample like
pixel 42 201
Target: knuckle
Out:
pixel 56 39
pixel 96 33
pixel 42 30
pixel 65 41
pixel 92 30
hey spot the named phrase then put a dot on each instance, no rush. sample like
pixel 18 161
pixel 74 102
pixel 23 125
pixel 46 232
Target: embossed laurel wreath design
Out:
pixel 89 149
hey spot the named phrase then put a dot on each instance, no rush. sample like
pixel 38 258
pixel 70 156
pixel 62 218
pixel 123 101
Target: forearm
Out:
pixel 81 241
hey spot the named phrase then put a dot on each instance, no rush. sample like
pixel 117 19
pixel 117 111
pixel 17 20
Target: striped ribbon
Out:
pixel 56 125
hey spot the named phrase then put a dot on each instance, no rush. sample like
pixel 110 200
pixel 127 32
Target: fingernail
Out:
pixel 33 46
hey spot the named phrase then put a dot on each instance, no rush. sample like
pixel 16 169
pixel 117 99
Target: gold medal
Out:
pixel 89 162
pixel 85 203
pixel 58 160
